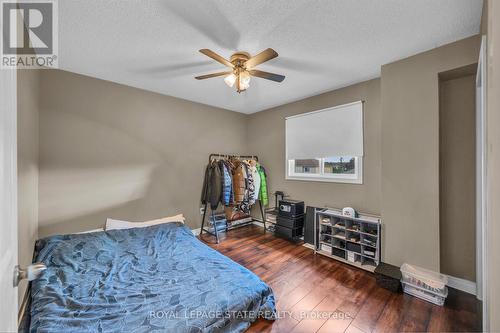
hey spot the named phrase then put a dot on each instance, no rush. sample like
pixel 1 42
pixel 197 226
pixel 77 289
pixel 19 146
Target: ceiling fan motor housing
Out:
pixel 238 59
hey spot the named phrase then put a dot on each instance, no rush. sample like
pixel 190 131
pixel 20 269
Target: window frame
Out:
pixel 356 178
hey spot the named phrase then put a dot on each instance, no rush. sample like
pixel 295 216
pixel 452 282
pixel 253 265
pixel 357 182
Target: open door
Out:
pixel 8 199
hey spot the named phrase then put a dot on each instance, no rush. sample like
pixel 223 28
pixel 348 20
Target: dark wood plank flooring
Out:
pixel 348 298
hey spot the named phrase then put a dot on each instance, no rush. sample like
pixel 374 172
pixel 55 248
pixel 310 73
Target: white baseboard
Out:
pixel 309 246
pixel 462 284
pixel 258 223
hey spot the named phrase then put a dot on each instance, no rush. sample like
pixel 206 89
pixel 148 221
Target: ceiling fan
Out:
pixel 242 67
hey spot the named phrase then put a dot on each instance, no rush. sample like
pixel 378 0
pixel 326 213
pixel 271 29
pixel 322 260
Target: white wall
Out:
pixel 27 166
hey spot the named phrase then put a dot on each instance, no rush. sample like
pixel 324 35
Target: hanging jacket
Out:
pixel 263 197
pixel 204 189
pixel 250 183
pixel 244 205
pixel 256 180
pixel 230 167
pixel 239 182
pixel 227 186
pixel 212 186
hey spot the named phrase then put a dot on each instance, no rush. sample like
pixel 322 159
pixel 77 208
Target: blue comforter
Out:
pixel 158 278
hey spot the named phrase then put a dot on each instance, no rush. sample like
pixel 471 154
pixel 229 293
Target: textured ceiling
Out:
pixel 323 44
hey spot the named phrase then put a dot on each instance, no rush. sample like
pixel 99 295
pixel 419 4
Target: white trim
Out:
pixel 258 223
pixel 462 285
pixel 309 246
pixel 481 184
pixel 8 199
pixel 480 168
pixel 325 109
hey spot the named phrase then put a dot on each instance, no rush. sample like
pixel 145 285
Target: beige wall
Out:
pixel 493 163
pixel 410 152
pixel 401 163
pixel 108 150
pixel 266 133
pixel 27 167
pixel 457 164
pixel 484 18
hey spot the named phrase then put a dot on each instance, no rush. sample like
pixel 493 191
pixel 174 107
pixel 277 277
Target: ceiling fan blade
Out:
pixel 208 76
pixel 264 56
pixel 267 75
pixel 216 57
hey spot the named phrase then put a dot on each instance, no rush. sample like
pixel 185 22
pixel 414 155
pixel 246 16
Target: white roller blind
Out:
pixel 336 131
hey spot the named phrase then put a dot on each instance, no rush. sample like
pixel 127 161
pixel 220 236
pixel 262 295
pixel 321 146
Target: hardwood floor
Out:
pixel 348 298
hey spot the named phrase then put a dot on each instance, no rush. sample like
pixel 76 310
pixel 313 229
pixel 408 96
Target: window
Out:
pixel 337 134
pixel 309 167
pixel 342 169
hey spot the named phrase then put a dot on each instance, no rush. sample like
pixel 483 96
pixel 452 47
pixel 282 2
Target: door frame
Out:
pixel 481 185
pixel 8 199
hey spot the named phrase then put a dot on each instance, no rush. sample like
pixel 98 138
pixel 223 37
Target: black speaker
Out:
pixel 309 225
pixel 290 208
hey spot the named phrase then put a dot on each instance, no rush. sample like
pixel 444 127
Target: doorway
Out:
pixel 457 173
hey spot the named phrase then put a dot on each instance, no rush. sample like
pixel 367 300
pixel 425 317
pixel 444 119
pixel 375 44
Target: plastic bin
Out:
pixel 424 279
pixel 428 296
pixel 326 248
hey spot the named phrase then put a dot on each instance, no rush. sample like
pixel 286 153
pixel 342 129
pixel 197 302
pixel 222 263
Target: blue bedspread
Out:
pixel 159 279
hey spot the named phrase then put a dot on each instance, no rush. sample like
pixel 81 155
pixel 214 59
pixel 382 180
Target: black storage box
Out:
pixel 290 208
pixel 293 223
pixel 289 233
pixel 353 247
pixel 388 277
pixel 338 252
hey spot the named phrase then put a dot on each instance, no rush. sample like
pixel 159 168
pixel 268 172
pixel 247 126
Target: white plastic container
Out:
pixel 326 248
pixel 425 279
pixel 428 296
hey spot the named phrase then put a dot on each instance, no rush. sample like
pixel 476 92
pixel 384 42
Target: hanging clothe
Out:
pixel 256 180
pixel 227 184
pixel 250 182
pixel 263 196
pixel 239 182
pixel 236 184
pixel 230 167
pixel 212 186
pixel 244 205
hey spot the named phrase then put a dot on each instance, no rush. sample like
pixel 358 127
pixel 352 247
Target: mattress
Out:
pixel 158 278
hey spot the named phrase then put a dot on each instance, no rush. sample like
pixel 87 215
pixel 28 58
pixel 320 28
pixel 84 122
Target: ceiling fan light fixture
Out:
pixel 230 79
pixel 242 67
pixel 244 80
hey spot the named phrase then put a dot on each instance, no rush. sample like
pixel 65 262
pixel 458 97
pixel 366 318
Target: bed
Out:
pixel 159 278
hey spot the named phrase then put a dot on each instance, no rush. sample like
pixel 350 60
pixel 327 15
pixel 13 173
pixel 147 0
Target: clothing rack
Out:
pixel 215 156
pixel 245 157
